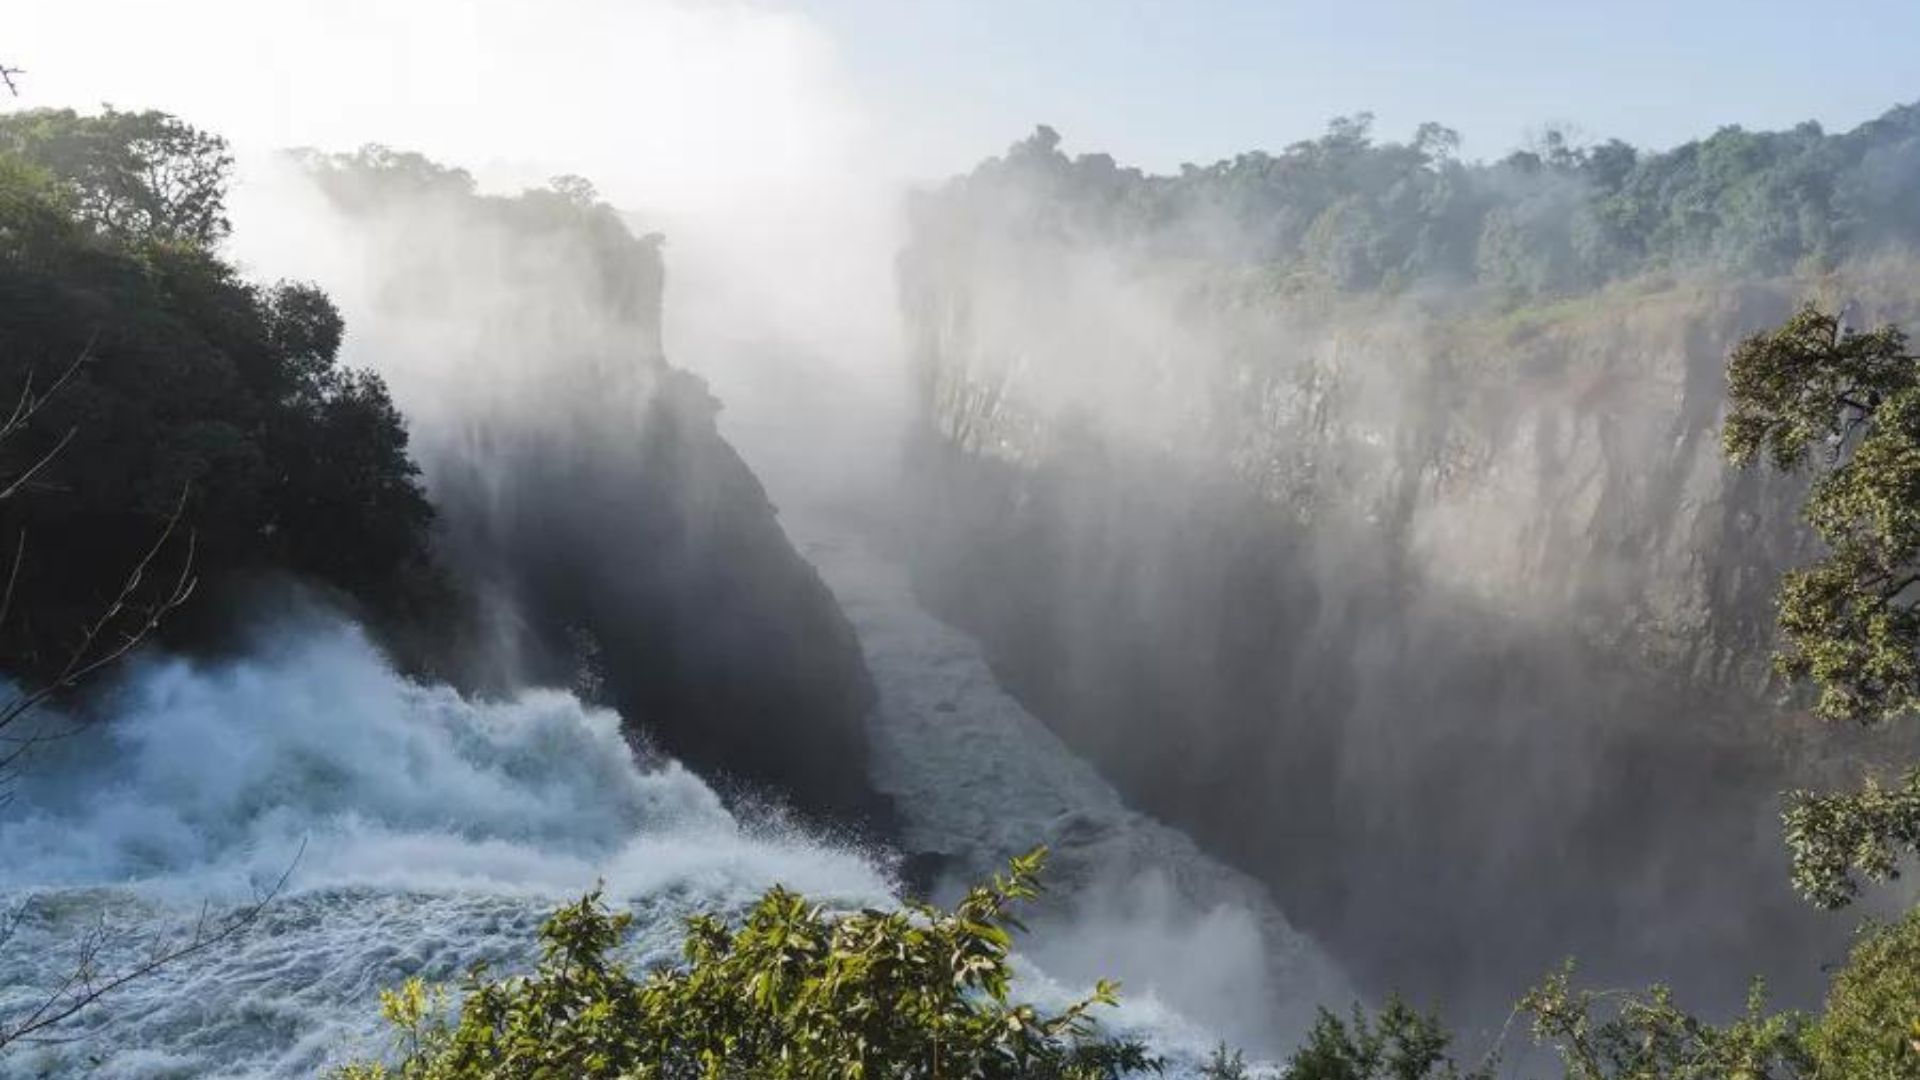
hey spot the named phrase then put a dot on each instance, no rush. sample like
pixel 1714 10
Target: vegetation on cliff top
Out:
pixel 1353 213
pixel 192 386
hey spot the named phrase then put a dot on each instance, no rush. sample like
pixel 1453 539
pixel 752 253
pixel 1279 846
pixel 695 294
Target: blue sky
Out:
pixel 704 98
pixel 1161 83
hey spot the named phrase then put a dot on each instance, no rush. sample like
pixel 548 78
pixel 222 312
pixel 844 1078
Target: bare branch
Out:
pixel 126 621
pixel 83 661
pixel 10 923
pixel 13 576
pixel 84 985
pixel 20 481
pixel 29 403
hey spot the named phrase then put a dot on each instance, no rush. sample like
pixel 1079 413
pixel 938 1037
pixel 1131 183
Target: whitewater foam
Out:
pixel 431 832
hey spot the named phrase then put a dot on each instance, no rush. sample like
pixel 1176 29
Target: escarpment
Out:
pixel 1446 618
pixel 615 541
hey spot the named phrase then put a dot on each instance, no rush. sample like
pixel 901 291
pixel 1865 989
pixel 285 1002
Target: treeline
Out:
pixel 1348 212
pixel 620 276
pixel 156 385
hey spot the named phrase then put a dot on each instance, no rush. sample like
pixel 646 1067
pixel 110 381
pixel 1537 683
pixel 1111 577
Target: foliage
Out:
pixel 621 274
pixel 194 384
pixel 1225 1064
pixel 1835 837
pixel 1401 1044
pixel 1615 1036
pixel 792 993
pixel 140 175
pixel 1354 213
pixel 1856 397
pixel 1871 1028
pixel 1846 403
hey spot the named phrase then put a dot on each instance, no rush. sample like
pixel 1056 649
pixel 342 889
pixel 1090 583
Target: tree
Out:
pixel 1620 1036
pixel 144 175
pixel 196 381
pixel 791 993
pixel 1868 1029
pixel 1871 1027
pixel 1400 1044
pixel 1845 405
pixel 193 426
pixel 121 625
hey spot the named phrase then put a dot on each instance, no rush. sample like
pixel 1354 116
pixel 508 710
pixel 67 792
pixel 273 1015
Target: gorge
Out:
pixel 1330 555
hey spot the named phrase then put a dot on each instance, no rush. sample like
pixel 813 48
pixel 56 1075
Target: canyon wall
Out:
pixel 610 538
pixel 1445 618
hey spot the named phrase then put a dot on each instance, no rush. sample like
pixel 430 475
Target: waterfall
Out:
pixel 426 832
pixel 430 832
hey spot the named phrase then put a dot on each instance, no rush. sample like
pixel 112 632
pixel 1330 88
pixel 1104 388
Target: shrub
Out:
pixel 793 992
pixel 1871 1029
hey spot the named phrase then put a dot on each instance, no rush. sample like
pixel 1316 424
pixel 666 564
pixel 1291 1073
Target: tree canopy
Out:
pixel 139 175
pixel 1814 395
pixel 192 384
pixel 1869 1028
pixel 1352 212
pixel 1811 393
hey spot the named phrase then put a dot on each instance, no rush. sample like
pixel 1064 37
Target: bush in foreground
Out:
pixel 793 993
pixel 1869 1030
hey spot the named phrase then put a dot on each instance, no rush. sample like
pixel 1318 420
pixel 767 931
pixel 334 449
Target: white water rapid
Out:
pixel 433 832
pixel 436 833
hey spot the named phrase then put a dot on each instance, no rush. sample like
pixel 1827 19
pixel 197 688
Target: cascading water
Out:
pixel 436 832
pixel 427 833
pixel 977 779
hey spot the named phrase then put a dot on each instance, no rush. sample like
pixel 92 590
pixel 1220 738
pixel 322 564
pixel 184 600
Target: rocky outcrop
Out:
pixel 615 541
pixel 1450 625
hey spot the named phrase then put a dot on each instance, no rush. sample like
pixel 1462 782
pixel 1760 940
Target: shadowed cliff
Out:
pixel 616 542
pixel 1436 608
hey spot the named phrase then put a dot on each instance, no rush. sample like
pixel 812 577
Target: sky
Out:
pixel 1159 83
pixel 746 90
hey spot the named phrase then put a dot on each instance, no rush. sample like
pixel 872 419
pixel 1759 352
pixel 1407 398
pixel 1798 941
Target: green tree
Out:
pixel 1400 1044
pixel 791 993
pixel 1871 1027
pixel 142 175
pixel 192 381
pixel 1621 1036
pixel 1845 405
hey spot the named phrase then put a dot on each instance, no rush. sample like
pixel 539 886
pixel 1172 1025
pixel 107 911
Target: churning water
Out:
pixel 436 832
pixel 428 832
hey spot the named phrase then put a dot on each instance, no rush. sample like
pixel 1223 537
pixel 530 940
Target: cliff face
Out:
pixel 1451 626
pixel 615 542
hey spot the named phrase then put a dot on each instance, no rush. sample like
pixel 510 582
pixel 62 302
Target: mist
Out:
pixel 538 343
pixel 1434 606
pixel 1328 552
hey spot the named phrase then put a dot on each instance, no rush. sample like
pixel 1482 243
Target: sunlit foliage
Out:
pixel 792 992
pixel 1845 405
pixel 1351 212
